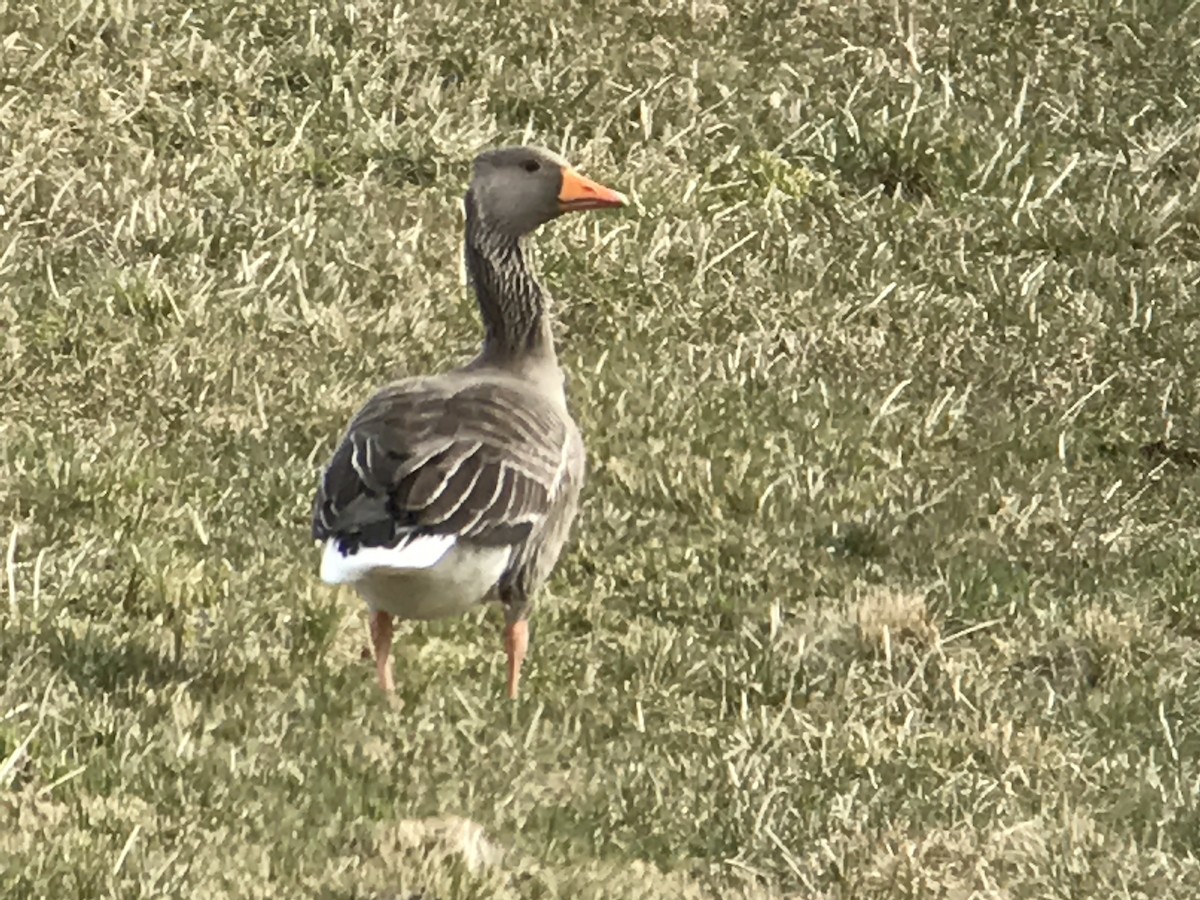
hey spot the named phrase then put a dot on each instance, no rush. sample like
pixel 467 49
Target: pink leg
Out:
pixel 516 642
pixel 381 639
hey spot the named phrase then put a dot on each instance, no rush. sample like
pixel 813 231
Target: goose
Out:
pixel 454 489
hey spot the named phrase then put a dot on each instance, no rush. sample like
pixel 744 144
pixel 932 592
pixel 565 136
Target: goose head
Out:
pixel 516 190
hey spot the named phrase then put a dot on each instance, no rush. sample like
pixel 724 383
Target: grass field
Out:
pixel 885 582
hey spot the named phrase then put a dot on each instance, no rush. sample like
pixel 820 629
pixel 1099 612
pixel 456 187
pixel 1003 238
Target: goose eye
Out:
pixel 531 165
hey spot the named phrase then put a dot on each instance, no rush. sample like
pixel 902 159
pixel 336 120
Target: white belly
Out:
pixel 460 580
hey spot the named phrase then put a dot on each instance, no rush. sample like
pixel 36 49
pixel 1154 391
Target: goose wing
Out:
pixel 476 460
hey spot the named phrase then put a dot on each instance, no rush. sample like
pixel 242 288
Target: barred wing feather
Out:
pixel 481 461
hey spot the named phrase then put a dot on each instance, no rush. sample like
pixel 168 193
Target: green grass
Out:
pixel 885 582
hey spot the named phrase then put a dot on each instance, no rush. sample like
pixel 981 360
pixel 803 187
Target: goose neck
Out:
pixel 511 302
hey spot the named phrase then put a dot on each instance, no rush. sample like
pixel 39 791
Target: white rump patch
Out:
pixel 419 553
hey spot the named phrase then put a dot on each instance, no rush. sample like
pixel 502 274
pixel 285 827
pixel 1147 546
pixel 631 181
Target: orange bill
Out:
pixel 579 192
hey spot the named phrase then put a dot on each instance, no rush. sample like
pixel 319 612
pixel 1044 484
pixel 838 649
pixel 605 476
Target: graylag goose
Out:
pixel 453 489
